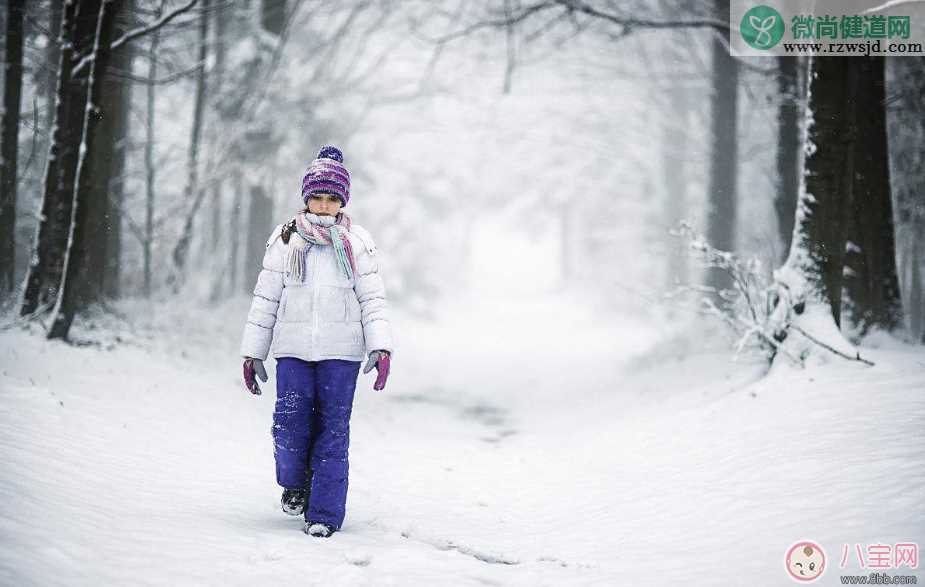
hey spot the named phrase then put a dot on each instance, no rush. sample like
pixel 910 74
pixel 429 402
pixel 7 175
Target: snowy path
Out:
pixel 495 456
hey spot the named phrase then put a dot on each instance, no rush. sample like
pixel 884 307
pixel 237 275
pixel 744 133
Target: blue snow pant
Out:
pixel 311 432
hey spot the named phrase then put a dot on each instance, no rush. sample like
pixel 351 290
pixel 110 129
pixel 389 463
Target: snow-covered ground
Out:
pixel 527 443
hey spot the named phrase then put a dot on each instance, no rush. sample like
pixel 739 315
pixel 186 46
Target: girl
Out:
pixel 320 300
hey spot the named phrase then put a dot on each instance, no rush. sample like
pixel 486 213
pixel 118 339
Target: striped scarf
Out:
pixel 309 229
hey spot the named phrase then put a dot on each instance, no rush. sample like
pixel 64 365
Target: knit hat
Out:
pixel 327 175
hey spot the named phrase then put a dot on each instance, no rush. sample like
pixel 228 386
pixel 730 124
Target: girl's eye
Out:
pixel 812 566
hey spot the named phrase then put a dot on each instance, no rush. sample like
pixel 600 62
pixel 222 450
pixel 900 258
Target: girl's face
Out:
pixel 324 204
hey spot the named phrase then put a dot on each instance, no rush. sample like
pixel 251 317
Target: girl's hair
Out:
pixel 287 231
pixel 305 209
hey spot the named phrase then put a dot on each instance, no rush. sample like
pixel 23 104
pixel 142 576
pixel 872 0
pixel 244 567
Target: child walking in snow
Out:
pixel 321 301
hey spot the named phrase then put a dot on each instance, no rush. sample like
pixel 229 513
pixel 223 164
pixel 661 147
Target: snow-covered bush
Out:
pixel 767 311
pixel 750 307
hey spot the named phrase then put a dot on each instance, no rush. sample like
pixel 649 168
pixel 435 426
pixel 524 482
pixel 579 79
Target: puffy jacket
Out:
pixel 325 317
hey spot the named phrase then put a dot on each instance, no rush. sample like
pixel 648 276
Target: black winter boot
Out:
pixel 319 529
pixel 293 501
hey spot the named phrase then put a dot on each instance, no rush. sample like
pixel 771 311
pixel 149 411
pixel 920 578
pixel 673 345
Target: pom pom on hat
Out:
pixel 330 152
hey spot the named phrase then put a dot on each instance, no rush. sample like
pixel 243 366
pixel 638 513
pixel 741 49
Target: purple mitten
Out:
pixel 382 366
pixel 381 360
pixel 253 368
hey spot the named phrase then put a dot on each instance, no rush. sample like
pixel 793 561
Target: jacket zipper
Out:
pixel 315 296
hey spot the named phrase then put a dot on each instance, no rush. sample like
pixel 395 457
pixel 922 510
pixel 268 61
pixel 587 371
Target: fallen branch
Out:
pixel 829 348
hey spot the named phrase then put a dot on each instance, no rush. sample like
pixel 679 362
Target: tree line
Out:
pixel 848 195
pixel 86 78
pixel 848 182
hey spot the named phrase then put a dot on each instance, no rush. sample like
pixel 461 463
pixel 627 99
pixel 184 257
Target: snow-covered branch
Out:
pixel 159 23
pixel 138 32
pixel 571 7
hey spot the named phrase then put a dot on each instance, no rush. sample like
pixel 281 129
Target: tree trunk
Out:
pixel 906 118
pixel 9 142
pixel 510 47
pixel 829 173
pixel 916 293
pixel 69 300
pixel 150 171
pixel 810 282
pixel 675 176
pixel 52 56
pixel 873 286
pixel 234 241
pixel 273 16
pixel 100 278
pixel 122 61
pixel 788 147
pixel 49 83
pixel 78 29
pixel 260 221
pixel 215 82
pixel 192 191
pixel 721 195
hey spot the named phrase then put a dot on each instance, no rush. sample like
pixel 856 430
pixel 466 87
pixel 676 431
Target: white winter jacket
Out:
pixel 325 317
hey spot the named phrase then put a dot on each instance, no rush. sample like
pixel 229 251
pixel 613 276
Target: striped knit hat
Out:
pixel 327 175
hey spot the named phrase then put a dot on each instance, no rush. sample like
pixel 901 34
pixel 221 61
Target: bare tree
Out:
pixel 150 170
pixel 809 285
pixel 52 55
pixel 791 96
pixel 234 242
pixel 101 278
pixel 78 29
pixel 721 190
pixel 906 116
pixel 216 82
pixel 675 174
pixel 260 220
pixel 79 238
pixel 80 46
pixel 193 193
pixel 509 43
pixel 872 285
pixel 9 141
